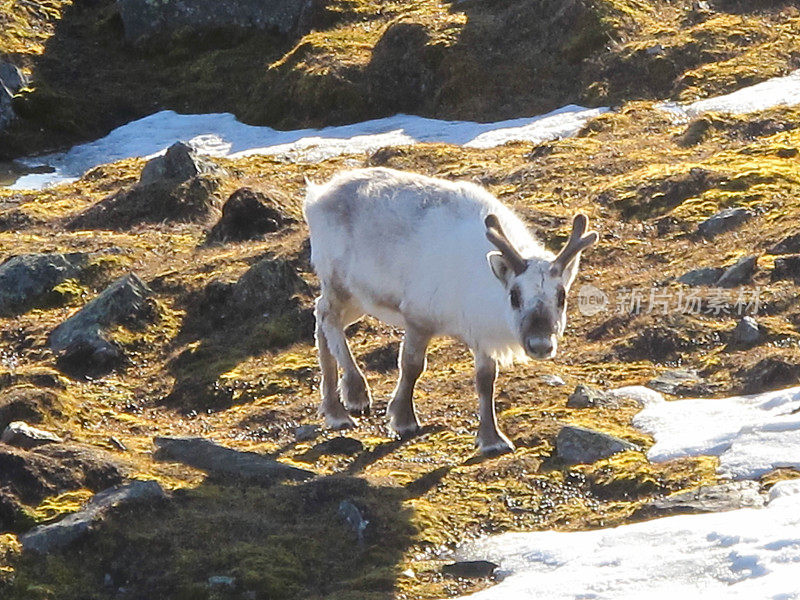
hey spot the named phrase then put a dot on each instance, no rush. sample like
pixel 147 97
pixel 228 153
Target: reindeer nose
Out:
pixel 540 347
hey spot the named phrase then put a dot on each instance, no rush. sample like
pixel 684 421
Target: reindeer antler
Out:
pixel 578 241
pixel 496 235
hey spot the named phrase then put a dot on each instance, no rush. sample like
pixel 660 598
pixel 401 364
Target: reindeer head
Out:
pixel 537 288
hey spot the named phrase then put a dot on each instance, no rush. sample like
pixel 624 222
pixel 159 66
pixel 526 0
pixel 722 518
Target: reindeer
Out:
pixel 436 258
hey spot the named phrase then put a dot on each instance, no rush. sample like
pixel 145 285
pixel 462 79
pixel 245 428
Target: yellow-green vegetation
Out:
pixel 248 385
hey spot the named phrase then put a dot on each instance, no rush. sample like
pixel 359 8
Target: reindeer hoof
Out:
pixel 362 411
pixel 495 446
pixel 338 421
pixel 405 431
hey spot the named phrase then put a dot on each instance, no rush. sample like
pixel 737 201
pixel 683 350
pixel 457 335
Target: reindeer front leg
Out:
pixel 490 440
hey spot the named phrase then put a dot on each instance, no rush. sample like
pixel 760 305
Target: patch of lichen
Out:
pixel 25 27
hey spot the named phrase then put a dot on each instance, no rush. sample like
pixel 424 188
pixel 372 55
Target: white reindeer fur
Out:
pixel 411 249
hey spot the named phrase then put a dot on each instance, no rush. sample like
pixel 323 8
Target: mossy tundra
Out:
pixel 643 178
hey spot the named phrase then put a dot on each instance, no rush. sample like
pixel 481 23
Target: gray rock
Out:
pixel 553 380
pixel 787 267
pixel 47 538
pixel 747 332
pixel 268 288
pixel 81 342
pixel 723 221
pixel 354 519
pixel 586 396
pixel 7 114
pixel 11 81
pixel 579 445
pixel 788 245
pixel 204 454
pixel 306 433
pixel 701 276
pixel 706 499
pixel 179 163
pixel 470 569
pixel 739 273
pixel 678 382
pixel 145 20
pixel 12 78
pixel 22 435
pixel 28 278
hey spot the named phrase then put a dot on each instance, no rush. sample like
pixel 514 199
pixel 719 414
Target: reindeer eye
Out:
pixel 561 297
pixel 515 301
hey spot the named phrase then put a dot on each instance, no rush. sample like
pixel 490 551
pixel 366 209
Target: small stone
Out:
pixel 470 569
pixel 12 78
pixel 221 581
pixel 656 50
pixel 353 517
pixel 579 445
pixel 788 245
pixel 342 445
pixel 723 221
pixel 787 267
pixel 553 380
pixel 28 278
pixel 306 433
pixel 747 332
pixel 108 581
pixel 769 374
pixel 739 273
pixel 701 276
pixel 22 435
pixel 586 396
pixel 678 382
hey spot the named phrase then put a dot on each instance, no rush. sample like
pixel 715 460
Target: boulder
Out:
pixel 22 435
pixel 701 276
pixel 707 499
pixel 248 215
pixel 747 332
pixel 267 288
pixel 28 278
pixel 788 245
pixel 12 80
pixel 470 569
pixel 723 221
pixel 787 267
pixel 29 476
pixel 579 445
pixel 25 403
pixel 740 273
pixel 11 77
pixel 208 456
pixel 145 20
pixel 47 538
pixel 586 396
pixel 179 163
pixel 180 186
pixel 680 382
pixel 80 341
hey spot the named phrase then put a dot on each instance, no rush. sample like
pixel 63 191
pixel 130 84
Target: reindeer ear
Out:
pixel 500 266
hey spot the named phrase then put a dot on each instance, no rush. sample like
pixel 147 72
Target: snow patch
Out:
pixel 774 92
pixel 751 434
pixel 742 554
pixel 222 135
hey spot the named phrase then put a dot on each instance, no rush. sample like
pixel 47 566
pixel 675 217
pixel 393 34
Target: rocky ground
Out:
pixel 141 309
